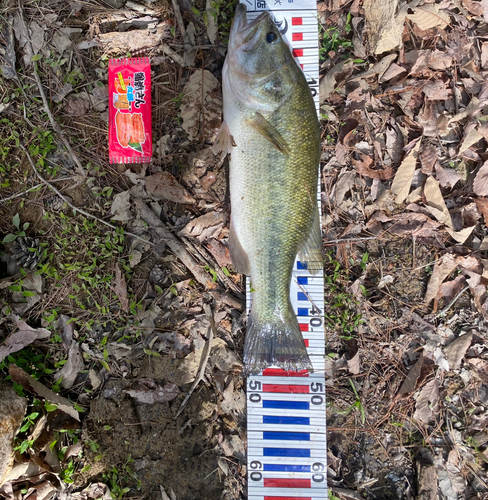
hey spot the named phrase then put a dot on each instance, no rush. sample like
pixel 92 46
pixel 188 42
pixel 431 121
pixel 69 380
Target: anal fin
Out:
pixel 311 251
pixel 224 140
pixel 240 259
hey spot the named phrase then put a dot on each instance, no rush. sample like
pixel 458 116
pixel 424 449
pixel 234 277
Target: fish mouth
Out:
pixel 243 33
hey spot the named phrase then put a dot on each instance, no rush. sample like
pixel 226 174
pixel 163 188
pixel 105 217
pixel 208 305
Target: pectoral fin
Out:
pixel 263 127
pixel 240 259
pixel 311 251
pixel 224 140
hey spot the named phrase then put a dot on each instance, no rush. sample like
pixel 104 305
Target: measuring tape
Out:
pixel 286 428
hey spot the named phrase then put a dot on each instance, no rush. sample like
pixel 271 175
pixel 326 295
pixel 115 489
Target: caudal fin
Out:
pixel 278 342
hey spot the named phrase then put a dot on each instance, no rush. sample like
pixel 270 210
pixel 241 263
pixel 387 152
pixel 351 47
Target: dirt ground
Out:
pixel 108 314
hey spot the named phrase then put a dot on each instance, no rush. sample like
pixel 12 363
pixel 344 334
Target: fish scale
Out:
pixel 292 403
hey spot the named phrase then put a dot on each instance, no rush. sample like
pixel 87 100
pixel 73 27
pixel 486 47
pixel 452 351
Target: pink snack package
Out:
pixel 129 117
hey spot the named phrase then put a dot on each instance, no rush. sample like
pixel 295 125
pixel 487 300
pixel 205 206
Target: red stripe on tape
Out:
pixel 287 498
pixel 303 327
pixel 293 389
pixel 287 483
pixel 296 21
pixel 297 37
pixel 278 372
pixel 307 342
pixel 298 52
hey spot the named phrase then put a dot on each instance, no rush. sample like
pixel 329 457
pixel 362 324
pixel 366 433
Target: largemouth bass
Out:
pixel 272 133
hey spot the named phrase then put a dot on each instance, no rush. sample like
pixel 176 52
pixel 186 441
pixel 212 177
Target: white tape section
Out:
pixel 286 427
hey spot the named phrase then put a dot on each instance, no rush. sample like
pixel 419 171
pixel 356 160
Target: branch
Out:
pixel 19 195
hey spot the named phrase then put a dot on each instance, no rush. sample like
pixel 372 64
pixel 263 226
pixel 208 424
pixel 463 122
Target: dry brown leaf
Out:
pixel 413 375
pixel 428 158
pixel 378 68
pixel 219 252
pixel 447 177
pixel 429 16
pixel 343 185
pixel 120 208
pixel 354 364
pixel 363 168
pixel 414 224
pixel 120 289
pixel 470 214
pixel 163 186
pixel 31 385
pixel 201 106
pixel 473 105
pixel 427 401
pixel 403 178
pixel 173 344
pixel 385 21
pixel 442 269
pixel 342 153
pixel 475 8
pixel 462 235
pixel 482 204
pixel 448 290
pixel 22 338
pixel 76 106
pixel 437 90
pixel 484 55
pixel 480 184
pixel 440 60
pixel 471 138
pixel 204 227
pixel 455 351
pixel 334 77
pixel 393 71
pixel 149 392
pixel 211 23
pixel 481 368
pixel 434 199
pixel 72 367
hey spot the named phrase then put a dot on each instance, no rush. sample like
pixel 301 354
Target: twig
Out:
pixel 204 360
pixel 453 301
pixel 181 24
pixel 54 124
pixel 87 214
pixel 19 195
pixel 350 240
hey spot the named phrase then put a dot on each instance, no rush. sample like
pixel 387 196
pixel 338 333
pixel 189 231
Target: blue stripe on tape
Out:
pixel 286 468
pixel 286 405
pixel 285 452
pixel 268 419
pixel 301 296
pixel 301 265
pixel 302 311
pixel 287 436
pixel 302 280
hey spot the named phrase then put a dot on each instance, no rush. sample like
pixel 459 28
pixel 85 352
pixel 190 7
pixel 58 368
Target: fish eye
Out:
pixel 271 37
